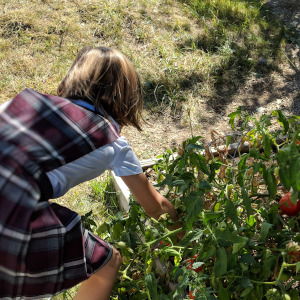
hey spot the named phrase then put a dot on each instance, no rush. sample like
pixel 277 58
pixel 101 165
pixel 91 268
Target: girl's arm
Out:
pixel 152 201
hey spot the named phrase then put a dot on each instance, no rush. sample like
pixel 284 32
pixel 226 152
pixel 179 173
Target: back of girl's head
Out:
pixel 107 79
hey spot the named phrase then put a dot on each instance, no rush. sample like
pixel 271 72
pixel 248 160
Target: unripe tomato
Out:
pixel 273 294
pixel 288 207
pixel 276 171
pixel 286 297
pixel 121 245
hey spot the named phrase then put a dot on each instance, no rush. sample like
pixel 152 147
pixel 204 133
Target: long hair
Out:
pixel 107 79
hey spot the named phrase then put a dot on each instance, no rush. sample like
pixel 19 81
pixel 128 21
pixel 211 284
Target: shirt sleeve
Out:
pixel 117 156
pixel 125 162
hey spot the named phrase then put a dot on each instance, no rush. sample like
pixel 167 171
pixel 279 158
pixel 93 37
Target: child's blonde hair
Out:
pixel 107 79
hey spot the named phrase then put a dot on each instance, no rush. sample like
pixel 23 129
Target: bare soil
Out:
pixel 261 94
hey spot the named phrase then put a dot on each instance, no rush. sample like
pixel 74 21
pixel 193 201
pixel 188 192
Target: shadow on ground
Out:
pixel 241 79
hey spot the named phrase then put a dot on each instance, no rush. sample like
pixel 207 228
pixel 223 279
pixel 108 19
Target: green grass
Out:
pixel 185 51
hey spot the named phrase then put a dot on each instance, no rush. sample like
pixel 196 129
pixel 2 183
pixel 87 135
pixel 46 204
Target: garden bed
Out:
pixel 239 242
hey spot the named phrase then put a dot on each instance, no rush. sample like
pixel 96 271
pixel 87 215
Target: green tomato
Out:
pixel 276 171
pixel 273 294
pixel 121 245
pixel 286 297
pixel 217 207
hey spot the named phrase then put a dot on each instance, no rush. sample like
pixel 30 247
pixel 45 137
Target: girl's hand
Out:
pixel 151 200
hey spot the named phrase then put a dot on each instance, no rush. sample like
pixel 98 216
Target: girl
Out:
pixel 48 144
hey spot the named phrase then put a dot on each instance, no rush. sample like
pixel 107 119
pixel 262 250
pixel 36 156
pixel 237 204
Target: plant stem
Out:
pixel 259 195
pixel 146 258
pixel 265 282
pixel 170 233
pixel 284 265
pixel 124 273
pixel 266 248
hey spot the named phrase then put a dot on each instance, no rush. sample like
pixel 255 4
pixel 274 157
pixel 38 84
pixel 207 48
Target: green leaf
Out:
pixel 102 228
pixel 267 145
pixel 195 146
pixel 297 267
pixel 116 230
pixel 254 153
pixel 247 259
pixel 264 231
pixel 228 140
pixel 284 178
pixel 151 285
pixel 223 293
pixel 178 182
pixel 231 237
pixel 270 180
pixel 237 246
pixel 297 176
pixel 246 283
pixel 194 206
pixel 267 268
pixel 214 166
pixel 167 181
pixel 211 252
pixel 191 236
pixel 221 262
pixel 251 221
pixel 232 116
pixel 282 120
pixel 170 252
pixel 288 159
pixel 294 294
pixel 245 292
pixel 231 212
pixel 242 169
pixel 141 296
pixel 204 185
pixel 246 201
pixel 187 176
pixel 200 162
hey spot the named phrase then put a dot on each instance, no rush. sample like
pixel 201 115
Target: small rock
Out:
pixel 260 109
pixel 294 24
pixel 263 61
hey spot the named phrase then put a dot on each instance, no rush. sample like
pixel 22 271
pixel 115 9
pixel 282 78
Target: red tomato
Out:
pixel 288 207
pixel 294 256
pixel 190 262
pixel 191 295
pixel 163 243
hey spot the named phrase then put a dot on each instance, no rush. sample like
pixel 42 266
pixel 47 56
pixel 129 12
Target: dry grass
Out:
pixel 46 35
pixel 181 52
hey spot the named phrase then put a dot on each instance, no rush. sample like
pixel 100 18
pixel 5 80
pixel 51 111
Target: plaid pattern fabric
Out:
pixel 43 247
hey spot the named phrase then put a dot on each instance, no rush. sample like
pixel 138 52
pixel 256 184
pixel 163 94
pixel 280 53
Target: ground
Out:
pixel 278 90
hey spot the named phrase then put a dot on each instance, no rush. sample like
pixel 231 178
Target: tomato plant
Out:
pixel 288 207
pixel 228 198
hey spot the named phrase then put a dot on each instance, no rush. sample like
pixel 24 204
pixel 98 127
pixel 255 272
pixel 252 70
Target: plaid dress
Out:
pixel 43 247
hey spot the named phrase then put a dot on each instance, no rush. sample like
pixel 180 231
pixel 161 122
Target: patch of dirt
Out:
pixel 278 90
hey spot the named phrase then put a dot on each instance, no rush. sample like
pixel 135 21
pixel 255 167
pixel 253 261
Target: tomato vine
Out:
pixel 228 201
